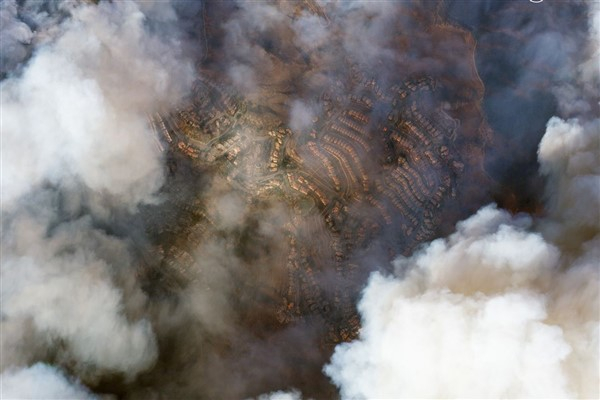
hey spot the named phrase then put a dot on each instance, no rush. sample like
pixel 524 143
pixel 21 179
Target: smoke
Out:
pixel 41 381
pixel 508 305
pixel 301 116
pixel 61 284
pixel 293 395
pixel 248 30
pixel 78 157
pixel 491 311
pixel 69 110
pixel 272 51
pixel 505 307
pixel 16 35
pixel 26 26
pixel 119 277
pixel 529 56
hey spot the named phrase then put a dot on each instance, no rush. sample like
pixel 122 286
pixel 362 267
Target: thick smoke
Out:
pixel 529 56
pixel 41 381
pixel 61 285
pixel 70 111
pixel 294 395
pixel 16 35
pixel 508 305
pixel 25 26
pixel 78 155
pixel 492 311
pixel 79 161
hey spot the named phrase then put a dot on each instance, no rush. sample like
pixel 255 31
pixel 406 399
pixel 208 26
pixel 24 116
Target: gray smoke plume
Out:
pixel 69 107
pixel 77 152
pixel 79 162
pixel 16 35
pixel 526 53
pixel 26 26
pixel 507 306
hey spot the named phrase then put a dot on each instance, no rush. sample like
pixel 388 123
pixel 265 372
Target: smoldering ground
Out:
pixel 79 163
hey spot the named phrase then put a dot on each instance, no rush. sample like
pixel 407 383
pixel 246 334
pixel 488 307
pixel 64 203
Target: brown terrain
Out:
pixel 388 160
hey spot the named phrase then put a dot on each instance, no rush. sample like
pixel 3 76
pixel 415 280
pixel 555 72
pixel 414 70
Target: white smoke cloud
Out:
pixel 62 284
pixel 78 109
pixel 249 63
pixel 301 116
pixel 480 314
pixel 508 306
pixel 360 31
pixel 77 149
pixel 281 395
pixel 311 31
pixel 41 381
pixel 74 117
pixel 366 27
pixel 568 155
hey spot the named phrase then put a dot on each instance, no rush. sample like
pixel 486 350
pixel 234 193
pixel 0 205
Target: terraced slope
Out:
pixel 272 227
pixel 357 182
